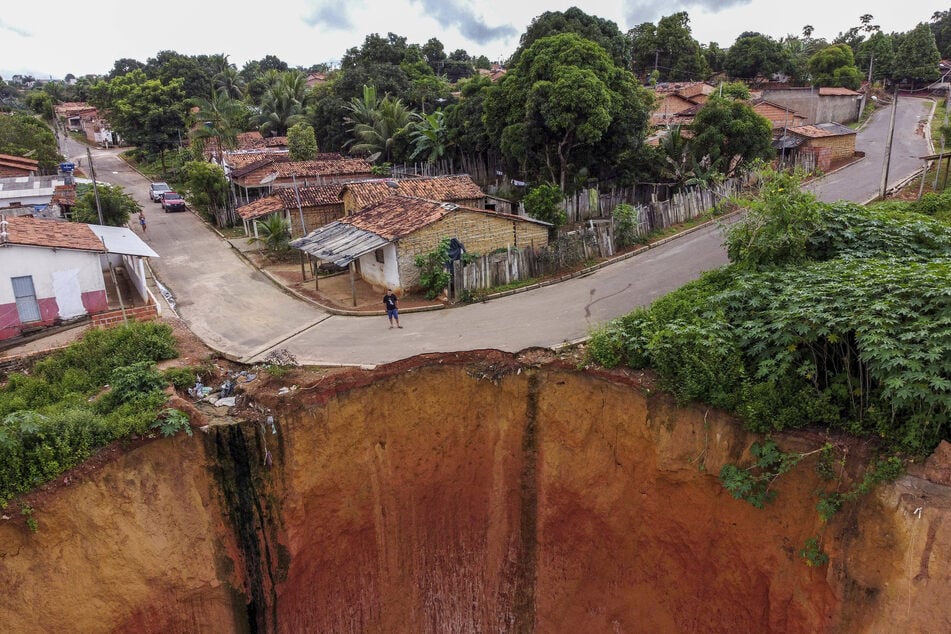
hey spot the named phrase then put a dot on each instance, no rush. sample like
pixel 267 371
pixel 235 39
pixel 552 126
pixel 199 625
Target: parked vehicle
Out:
pixel 157 189
pixel 171 201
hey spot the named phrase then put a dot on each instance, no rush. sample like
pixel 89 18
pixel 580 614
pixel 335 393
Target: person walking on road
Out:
pixel 142 221
pixel 392 312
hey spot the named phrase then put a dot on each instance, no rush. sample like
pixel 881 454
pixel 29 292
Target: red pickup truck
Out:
pixel 171 201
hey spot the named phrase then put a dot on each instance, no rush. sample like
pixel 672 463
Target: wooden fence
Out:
pixel 595 239
pixel 565 252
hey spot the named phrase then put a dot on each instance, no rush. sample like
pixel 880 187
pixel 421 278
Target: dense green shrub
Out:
pixel 53 418
pixel 433 276
pixel 831 315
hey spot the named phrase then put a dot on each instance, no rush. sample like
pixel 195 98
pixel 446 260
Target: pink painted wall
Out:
pixel 10 325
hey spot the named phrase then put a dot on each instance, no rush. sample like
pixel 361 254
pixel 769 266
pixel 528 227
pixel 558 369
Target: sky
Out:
pixel 56 37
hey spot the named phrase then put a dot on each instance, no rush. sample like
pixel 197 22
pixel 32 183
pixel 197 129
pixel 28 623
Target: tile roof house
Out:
pixel 829 142
pixel 268 173
pixel 13 166
pixel 459 189
pixel 25 195
pixel 383 240
pixel 319 205
pixel 253 142
pixel 79 116
pixel 52 271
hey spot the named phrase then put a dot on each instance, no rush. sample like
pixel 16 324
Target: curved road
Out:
pixel 239 312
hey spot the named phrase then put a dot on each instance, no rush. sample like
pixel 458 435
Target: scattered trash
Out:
pixel 285 390
pixel 228 401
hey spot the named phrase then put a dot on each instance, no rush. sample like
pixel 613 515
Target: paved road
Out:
pixel 861 182
pixel 238 311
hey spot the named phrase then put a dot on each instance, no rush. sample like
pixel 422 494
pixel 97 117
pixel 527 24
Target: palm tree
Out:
pixel 216 118
pixel 274 232
pixel 428 136
pixel 284 103
pixel 377 124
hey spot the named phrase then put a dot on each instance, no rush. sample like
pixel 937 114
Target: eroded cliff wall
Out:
pixel 468 497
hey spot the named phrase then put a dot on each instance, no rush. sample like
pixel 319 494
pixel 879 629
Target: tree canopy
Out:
pixel 599 30
pixel 24 135
pixel 562 105
pixel 729 134
pixel 835 66
pixel 754 55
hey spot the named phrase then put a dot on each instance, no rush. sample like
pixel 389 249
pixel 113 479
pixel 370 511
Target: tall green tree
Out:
pixel 599 30
pixel 218 117
pixel 681 55
pixel 377 125
pixel 24 135
pixel 558 110
pixel 117 206
pixel 428 136
pixel 207 188
pixel 917 57
pixel 301 142
pixel 145 112
pixel 835 66
pixel 284 104
pixel 752 55
pixel 730 135
pixel 876 56
pixel 941 28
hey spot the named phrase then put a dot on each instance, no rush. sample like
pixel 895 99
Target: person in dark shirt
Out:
pixel 392 312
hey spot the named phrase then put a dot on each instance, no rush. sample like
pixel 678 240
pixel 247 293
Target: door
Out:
pixel 27 306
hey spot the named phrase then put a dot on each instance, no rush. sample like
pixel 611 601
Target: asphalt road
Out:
pixel 241 313
pixel 861 182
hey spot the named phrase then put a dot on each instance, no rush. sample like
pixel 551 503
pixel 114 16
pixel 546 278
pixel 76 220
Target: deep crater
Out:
pixel 463 494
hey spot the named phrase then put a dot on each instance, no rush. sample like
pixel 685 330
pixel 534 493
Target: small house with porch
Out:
pixel 381 242
pixel 304 208
pixel 53 272
pixel 830 143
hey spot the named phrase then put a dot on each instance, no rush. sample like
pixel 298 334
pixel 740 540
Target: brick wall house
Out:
pixel 383 240
pixel 830 142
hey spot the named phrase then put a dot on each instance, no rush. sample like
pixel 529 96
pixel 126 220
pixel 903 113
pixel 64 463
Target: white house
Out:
pixel 52 271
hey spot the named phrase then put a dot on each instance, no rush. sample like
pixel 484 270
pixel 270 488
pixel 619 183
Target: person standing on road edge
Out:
pixel 142 221
pixel 392 312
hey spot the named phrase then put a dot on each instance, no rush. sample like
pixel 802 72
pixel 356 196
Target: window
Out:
pixel 379 255
pixel 25 294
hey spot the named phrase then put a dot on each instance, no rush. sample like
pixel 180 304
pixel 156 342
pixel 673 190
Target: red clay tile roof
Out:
pixel 286 198
pixel 56 234
pixel 19 162
pixel 341 166
pixel 442 188
pixel 311 196
pixel 261 207
pixel 398 216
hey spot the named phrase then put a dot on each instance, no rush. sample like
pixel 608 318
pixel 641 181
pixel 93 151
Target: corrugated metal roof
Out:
pixel 123 241
pixel 339 242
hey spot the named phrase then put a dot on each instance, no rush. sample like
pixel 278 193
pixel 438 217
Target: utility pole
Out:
pixel 95 187
pixel 888 145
